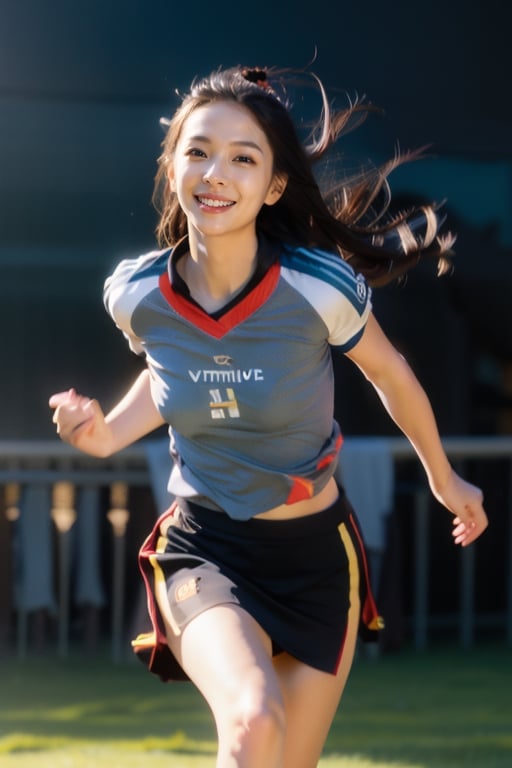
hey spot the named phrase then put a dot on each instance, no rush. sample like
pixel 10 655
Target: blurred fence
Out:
pixel 56 505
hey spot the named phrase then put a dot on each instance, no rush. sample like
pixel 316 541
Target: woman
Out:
pixel 256 576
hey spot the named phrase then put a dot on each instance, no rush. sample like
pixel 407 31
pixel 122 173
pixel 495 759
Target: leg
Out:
pixel 228 657
pixel 312 697
pixel 311 700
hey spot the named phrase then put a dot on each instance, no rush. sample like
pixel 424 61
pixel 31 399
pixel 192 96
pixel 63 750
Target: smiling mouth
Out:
pixel 211 203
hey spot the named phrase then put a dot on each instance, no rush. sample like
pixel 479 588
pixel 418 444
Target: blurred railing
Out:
pixel 51 491
pixel 459 450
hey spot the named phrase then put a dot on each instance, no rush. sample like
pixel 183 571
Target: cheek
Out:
pixel 178 169
pixel 183 199
pixel 183 178
pixel 257 185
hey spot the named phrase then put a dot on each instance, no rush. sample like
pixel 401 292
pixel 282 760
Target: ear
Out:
pixel 277 187
pixel 171 179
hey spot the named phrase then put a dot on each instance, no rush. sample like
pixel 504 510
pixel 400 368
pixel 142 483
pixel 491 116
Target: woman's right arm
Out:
pixel 81 422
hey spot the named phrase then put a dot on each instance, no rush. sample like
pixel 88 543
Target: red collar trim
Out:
pixel 244 309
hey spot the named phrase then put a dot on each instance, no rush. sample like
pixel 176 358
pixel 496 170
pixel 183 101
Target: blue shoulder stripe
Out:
pixel 329 267
pixel 154 268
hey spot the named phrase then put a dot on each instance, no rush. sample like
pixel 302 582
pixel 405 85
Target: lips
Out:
pixel 214 203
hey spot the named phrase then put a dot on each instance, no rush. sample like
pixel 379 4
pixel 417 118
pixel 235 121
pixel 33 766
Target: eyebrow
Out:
pixel 236 143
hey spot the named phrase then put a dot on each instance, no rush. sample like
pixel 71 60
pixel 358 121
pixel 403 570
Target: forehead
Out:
pixel 226 119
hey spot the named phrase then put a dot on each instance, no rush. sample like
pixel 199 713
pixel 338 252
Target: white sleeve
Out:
pixel 124 290
pixel 340 297
pixel 349 315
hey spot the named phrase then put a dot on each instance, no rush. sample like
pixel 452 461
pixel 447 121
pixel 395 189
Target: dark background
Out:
pixel 82 87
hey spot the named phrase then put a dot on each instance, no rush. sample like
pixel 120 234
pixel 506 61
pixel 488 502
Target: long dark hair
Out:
pixel 351 217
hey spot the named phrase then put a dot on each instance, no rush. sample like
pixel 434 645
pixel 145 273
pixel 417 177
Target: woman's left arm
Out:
pixel 408 405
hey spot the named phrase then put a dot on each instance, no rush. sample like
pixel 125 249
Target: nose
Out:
pixel 214 175
pixel 213 179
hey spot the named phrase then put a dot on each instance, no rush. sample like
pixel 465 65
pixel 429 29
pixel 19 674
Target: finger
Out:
pixel 459 530
pixel 470 537
pixel 56 399
pixel 72 414
pixel 92 407
pixel 465 536
pixel 61 397
pixel 60 416
pixel 70 432
pixel 471 531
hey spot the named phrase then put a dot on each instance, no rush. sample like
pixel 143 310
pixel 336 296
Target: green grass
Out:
pixel 440 709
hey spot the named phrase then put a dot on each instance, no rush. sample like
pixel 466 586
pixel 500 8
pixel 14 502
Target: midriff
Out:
pixel 322 500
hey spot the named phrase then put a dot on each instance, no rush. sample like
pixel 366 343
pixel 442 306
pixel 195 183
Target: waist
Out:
pixel 321 501
pixel 196 518
pixel 324 499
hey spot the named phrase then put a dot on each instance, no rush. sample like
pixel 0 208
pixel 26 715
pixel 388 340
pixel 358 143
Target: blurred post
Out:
pixel 118 517
pixel 421 575
pixel 33 575
pixel 11 513
pixel 64 516
pixel 509 560
pixel 467 608
pixel 89 592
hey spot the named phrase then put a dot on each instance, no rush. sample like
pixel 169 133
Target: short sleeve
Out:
pixel 340 297
pixel 126 288
pixel 350 314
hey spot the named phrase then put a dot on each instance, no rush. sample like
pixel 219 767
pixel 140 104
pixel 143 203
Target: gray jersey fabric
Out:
pixel 249 395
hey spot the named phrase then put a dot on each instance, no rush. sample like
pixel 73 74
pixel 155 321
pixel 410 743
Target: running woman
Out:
pixel 256 576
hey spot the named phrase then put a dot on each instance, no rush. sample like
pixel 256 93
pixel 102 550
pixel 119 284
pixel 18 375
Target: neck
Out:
pixel 217 268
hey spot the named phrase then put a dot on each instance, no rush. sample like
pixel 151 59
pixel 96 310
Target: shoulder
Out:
pixel 314 270
pixel 149 265
pixel 134 277
pixel 128 285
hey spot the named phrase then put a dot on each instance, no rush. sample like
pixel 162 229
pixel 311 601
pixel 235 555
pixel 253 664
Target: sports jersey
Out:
pixel 249 394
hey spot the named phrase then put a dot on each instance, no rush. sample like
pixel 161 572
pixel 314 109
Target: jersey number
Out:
pixel 219 406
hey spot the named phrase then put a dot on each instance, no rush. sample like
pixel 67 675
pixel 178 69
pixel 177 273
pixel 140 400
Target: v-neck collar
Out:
pixel 239 308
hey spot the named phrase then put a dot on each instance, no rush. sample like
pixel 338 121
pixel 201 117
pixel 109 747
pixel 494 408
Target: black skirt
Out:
pixel 294 577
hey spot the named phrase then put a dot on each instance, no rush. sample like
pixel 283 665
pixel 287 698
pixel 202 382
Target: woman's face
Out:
pixel 222 170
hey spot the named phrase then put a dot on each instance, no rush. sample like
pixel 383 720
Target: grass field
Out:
pixel 440 709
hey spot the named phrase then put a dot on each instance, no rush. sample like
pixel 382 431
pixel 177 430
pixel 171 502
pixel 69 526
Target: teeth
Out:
pixel 214 203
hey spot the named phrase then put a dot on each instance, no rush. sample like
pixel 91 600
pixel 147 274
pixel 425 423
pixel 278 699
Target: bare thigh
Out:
pixel 229 658
pixel 312 697
pixel 220 648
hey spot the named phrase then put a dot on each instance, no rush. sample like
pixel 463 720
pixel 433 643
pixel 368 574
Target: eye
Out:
pixel 244 159
pixel 195 152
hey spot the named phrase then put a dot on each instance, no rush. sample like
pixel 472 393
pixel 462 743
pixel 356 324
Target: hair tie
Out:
pixel 257 76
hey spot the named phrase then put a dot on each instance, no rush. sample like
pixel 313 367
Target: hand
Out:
pixel 465 501
pixel 80 422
